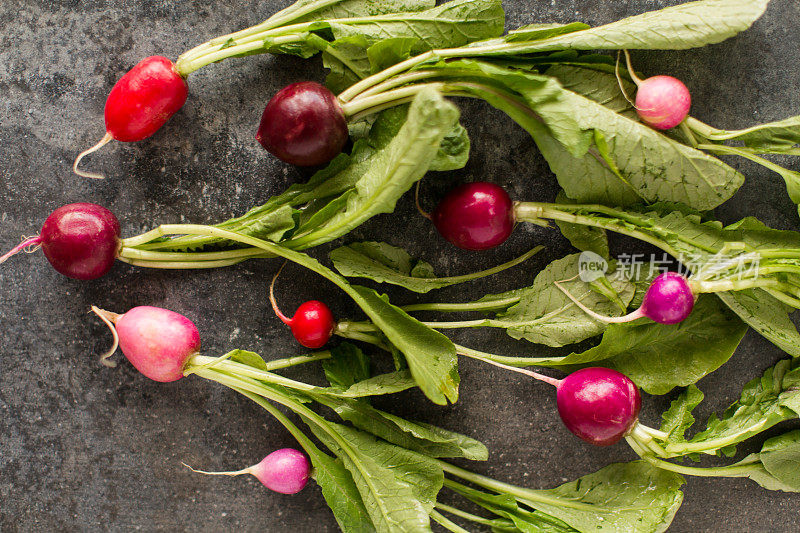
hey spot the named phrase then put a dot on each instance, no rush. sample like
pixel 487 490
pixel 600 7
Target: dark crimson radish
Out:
pixel 158 342
pixel 662 102
pixel 599 405
pixel 303 124
pixel 668 300
pixel 285 471
pixel 140 103
pixel 475 216
pixel 80 240
pixel 313 322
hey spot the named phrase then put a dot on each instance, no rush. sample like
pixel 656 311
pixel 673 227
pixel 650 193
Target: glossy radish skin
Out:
pixel 81 240
pixel 158 342
pixel 312 324
pixel 303 125
pixel 599 405
pixel 285 471
pixel 662 102
pixel 475 216
pixel 144 99
pixel 669 299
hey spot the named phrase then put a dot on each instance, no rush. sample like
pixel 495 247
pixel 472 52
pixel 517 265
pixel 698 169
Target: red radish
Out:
pixel 140 103
pixel 303 124
pixel 158 342
pixel 312 324
pixel 662 102
pixel 80 240
pixel 285 471
pixel 599 405
pixel 475 216
pixel 668 300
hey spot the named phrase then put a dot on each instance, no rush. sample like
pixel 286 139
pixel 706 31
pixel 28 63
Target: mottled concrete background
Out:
pixel 84 447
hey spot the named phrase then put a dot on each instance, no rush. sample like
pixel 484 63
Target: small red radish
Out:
pixel 313 323
pixel 285 471
pixel 662 102
pixel 475 216
pixel 303 124
pixel 158 342
pixel 668 300
pixel 599 405
pixel 80 240
pixel 140 103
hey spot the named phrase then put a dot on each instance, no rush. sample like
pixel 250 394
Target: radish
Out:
pixel 662 102
pixel 140 103
pixel 599 405
pixel 285 471
pixel 80 240
pixel 312 324
pixel 475 216
pixel 303 124
pixel 668 300
pixel 158 342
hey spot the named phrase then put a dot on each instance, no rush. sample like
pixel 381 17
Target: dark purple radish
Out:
pixel 313 323
pixel 668 300
pixel 475 216
pixel 140 103
pixel 662 102
pixel 285 471
pixel 80 240
pixel 303 124
pixel 599 405
pixel 158 342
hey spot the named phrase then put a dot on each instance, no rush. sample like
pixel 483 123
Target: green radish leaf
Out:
pixel 392 171
pixel 431 356
pixel 398 486
pixel 595 83
pixel 626 496
pixel 766 315
pixel 248 358
pixel 347 366
pixel 453 151
pixel 765 401
pixel 340 492
pixel 678 418
pixel 340 9
pixel 780 137
pixel 780 463
pixel 688 25
pixel 536 32
pixel 659 357
pixel 384 263
pixel 381 384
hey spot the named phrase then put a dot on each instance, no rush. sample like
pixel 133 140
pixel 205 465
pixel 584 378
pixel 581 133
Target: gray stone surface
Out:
pixel 86 448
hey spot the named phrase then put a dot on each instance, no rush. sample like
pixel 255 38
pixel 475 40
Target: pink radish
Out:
pixel 156 341
pixel 662 102
pixel 313 323
pixel 80 240
pixel 285 471
pixel 140 103
pixel 475 216
pixel 303 124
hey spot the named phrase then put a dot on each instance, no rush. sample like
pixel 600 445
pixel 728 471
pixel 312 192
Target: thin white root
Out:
pixel 107 138
pixel 636 79
pixel 597 316
pixel 109 318
pixel 236 473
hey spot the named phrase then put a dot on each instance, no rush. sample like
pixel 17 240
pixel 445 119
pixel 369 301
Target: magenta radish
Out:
pixel 158 342
pixel 475 216
pixel 303 124
pixel 140 103
pixel 662 102
pixel 668 300
pixel 80 240
pixel 285 471
pixel 313 323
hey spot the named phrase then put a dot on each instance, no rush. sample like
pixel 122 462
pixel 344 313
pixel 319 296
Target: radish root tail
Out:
pixel 286 320
pixel 28 245
pixel 419 207
pixel 109 318
pixel 233 473
pixel 104 141
pixel 597 316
